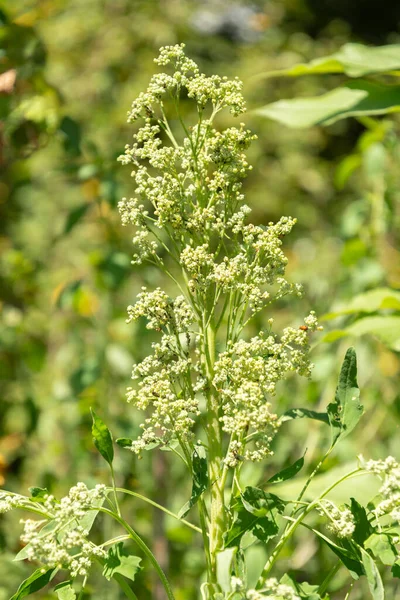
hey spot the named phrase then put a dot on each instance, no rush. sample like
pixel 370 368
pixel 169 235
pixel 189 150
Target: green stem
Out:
pixel 145 549
pixel 324 585
pixel 289 531
pixel 168 512
pixel 115 490
pixel 125 587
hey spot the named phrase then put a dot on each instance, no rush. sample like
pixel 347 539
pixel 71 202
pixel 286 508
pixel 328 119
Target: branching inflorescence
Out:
pixel 190 220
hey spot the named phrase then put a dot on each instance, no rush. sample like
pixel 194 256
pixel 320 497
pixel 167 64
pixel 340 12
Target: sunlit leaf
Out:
pixel 122 561
pixel 368 302
pixel 345 411
pixel 65 591
pixel 224 568
pixel 373 576
pixel 382 547
pixel 355 60
pixel 355 99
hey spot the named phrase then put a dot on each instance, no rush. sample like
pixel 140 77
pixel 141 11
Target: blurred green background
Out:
pixel 69 70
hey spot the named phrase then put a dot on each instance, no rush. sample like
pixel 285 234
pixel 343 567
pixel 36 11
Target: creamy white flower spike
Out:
pixel 190 220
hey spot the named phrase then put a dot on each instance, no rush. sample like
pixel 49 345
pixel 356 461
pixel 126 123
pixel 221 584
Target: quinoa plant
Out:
pixel 207 391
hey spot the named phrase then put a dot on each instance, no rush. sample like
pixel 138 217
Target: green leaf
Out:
pixel 102 438
pixel 348 557
pixel 304 413
pixel 65 591
pixel 355 60
pixel 200 479
pixel 289 472
pixel 387 329
pixel 38 494
pixel 363 528
pixel 345 411
pixel 304 590
pixel 119 560
pixel 35 582
pixel 373 576
pixel 382 547
pixel 262 527
pixel 355 99
pixel 124 442
pixel 74 217
pixel 369 302
pixel 260 503
pixel 396 570
pixel 224 568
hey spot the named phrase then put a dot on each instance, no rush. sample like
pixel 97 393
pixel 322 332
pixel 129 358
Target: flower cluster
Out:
pixel 246 375
pixel 341 521
pixel 388 471
pixel 273 590
pixel 188 211
pixel 65 542
pixel 10 501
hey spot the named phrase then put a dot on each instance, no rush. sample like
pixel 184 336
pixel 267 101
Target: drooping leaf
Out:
pixel 35 582
pixel 363 528
pixel 382 547
pixel 355 60
pixel 345 411
pixel 102 438
pixel 200 479
pixel 288 473
pixel 373 576
pixel 304 413
pixel 224 568
pixel 355 99
pixel 65 591
pixel 119 560
pixel 347 555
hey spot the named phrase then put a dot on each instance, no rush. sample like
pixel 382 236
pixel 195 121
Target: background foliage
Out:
pixel 69 70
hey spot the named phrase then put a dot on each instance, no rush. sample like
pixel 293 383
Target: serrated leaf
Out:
pixel 224 568
pixel 345 411
pixel 304 413
pixel 102 438
pixel 65 591
pixel 200 479
pixel 355 60
pixel 355 99
pixel 34 583
pixel 121 561
pixel 382 547
pixel 373 576
pixel 288 473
